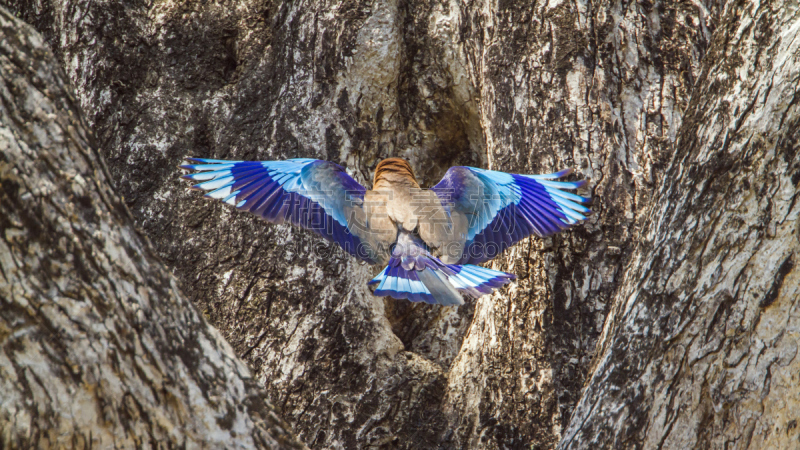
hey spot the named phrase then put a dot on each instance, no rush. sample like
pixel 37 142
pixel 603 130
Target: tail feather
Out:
pixel 480 279
pixel 414 274
pixel 398 282
pixel 438 284
pixel 434 282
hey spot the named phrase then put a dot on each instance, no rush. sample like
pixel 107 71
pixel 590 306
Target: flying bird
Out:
pixel 429 240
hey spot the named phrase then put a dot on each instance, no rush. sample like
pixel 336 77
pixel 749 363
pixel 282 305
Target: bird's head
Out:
pixel 394 170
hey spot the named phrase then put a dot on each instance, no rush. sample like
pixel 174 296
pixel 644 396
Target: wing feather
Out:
pixel 500 209
pixel 314 194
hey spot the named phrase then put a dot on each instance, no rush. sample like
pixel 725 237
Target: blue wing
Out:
pixel 314 194
pixel 496 209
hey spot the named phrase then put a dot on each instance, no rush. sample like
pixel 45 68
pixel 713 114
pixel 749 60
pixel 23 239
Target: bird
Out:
pixel 429 242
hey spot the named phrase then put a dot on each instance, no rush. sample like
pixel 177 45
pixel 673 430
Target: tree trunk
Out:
pixel 521 87
pixel 599 86
pixel 97 346
pixel 700 349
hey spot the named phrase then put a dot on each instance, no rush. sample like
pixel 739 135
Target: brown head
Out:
pixel 394 170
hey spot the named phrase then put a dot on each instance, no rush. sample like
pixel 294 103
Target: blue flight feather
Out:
pixel 504 208
pixel 306 192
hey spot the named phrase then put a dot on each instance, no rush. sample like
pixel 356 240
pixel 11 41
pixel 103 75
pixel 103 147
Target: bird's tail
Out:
pixel 426 278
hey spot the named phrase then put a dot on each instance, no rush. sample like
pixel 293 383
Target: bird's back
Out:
pixel 406 205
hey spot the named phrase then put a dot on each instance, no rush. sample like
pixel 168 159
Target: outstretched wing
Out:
pixel 314 194
pixel 490 211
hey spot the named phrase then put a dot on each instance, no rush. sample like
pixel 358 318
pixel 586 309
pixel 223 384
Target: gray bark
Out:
pixel 98 349
pixel 700 349
pixel 599 86
pixel 522 87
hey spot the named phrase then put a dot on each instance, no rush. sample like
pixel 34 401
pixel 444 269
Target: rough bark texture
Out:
pixel 98 349
pixel 599 86
pixel 520 87
pixel 515 86
pixel 700 350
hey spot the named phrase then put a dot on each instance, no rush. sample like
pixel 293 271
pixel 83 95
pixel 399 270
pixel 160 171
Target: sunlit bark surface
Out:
pixel 700 349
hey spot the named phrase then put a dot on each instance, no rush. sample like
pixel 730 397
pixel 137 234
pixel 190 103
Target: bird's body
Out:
pixel 429 240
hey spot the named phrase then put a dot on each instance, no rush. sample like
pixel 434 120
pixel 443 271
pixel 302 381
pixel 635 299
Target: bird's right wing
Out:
pixel 490 211
pixel 314 194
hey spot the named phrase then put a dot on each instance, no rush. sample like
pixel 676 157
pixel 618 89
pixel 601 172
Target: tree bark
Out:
pixel 521 87
pixel 600 86
pixel 515 87
pixel 700 349
pixel 97 346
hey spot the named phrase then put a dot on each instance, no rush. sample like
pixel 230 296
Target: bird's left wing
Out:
pixel 314 194
pixel 489 211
